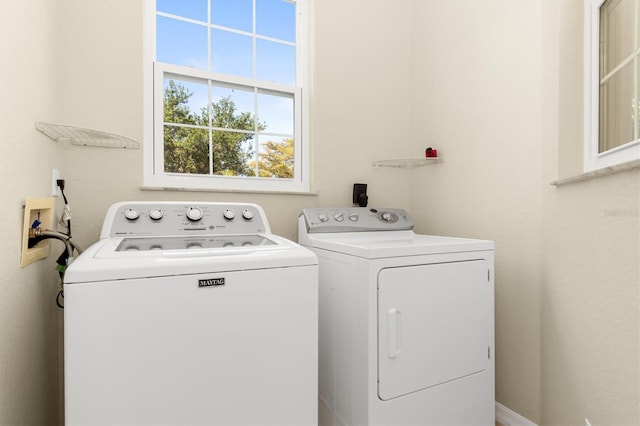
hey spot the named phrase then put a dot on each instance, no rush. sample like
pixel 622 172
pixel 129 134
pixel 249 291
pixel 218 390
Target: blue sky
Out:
pixel 185 43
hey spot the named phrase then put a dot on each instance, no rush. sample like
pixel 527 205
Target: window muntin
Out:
pixel 617 122
pixel 612 82
pixel 243 54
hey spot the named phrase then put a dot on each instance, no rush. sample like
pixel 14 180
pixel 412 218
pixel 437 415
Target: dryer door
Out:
pixel 434 325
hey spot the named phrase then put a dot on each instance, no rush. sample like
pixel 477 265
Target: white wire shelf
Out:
pixel 85 137
pixel 407 163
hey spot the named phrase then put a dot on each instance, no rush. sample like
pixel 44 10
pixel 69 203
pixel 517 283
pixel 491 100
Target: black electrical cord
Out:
pixel 38 234
pixel 60 297
pixel 60 183
pixel 63 260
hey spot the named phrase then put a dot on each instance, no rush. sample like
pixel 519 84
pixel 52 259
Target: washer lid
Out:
pixel 126 258
pixel 375 245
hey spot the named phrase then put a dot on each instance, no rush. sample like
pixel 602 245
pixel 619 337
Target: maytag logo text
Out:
pixel 211 282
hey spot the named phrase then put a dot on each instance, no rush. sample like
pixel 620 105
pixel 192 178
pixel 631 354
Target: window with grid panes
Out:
pixel 612 82
pixel 228 89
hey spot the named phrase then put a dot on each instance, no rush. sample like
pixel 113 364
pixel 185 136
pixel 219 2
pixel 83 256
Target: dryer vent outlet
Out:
pixel 360 194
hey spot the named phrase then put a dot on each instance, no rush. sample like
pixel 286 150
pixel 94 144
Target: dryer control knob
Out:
pixel 323 217
pixel 155 214
pixel 247 214
pixel 339 217
pixel 387 216
pixel 229 214
pixel 353 217
pixel 132 214
pixel 194 214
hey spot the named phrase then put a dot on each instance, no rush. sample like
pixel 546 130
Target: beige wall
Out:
pixel 29 317
pixel 499 93
pixel 493 85
pixel 477 100
pixel 590 292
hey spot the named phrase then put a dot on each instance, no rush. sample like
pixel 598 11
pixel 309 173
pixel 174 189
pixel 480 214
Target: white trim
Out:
pixel 153 153
pixel 593 159
pixel 506 417
pixel 591 94
pixel 305 82
pixel 149 42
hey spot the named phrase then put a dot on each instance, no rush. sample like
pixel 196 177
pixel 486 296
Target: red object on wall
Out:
pixel 431 153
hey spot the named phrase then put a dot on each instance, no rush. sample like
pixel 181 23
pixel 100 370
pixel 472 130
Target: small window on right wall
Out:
pixel 612 82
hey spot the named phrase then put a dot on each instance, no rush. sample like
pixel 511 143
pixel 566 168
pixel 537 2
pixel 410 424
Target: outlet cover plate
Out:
pixel 55 175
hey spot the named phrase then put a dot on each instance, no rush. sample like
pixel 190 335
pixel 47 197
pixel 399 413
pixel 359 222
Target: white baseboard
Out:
pixel 507 417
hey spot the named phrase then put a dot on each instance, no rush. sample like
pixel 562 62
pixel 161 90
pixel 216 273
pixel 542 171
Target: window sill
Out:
pixel 606 171
pixel 235 191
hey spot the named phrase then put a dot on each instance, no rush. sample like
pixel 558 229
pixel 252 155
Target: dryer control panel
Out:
pixel 169 218
pixel 356 219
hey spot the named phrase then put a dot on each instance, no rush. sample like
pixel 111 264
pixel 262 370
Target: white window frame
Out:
pixel 593 159
pixel 154 175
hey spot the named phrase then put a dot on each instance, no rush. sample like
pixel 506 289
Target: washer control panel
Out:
pixel 356 219
pixel 170 218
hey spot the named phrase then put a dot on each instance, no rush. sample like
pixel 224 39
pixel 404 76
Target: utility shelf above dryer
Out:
pixel 82 136
pixel 407 163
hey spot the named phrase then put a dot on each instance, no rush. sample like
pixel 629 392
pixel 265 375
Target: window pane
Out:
pixel 617 20
pixel 276 158
pixel 186 150
pixel 275 111
pixel 276 62
pixel 236 14
pixel 277 19
pixel 185 102
pixel 231 153
pixel 181 43
pixel 231 53
pixel 232 108
pixel 194 9
pixel 249 147
pixel 617 109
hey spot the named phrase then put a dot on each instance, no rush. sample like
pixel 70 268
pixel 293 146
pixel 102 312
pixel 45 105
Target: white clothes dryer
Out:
pixel 406 321
pixel 191 313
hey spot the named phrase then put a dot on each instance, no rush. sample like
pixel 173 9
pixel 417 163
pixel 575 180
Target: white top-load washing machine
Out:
pixel 406 321
pixel 191 313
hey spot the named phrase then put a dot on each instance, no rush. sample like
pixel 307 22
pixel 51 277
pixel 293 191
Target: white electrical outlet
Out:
pixel 55 175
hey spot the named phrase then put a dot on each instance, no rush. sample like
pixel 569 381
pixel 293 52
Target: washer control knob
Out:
pixel 247 214
pixel 339 217
pixel 194 214
pixel 353 217
pixel 156 214
pixel 386 216
pixel 132 214
pixel 229 214
pixel 323 217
